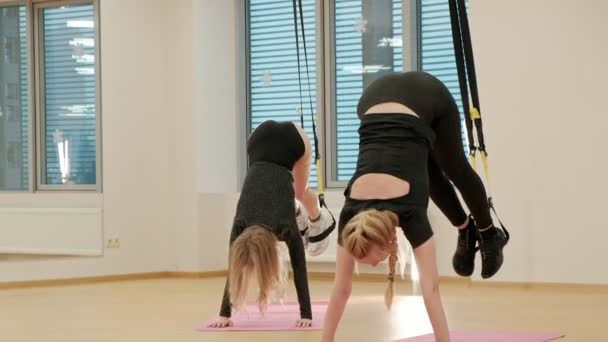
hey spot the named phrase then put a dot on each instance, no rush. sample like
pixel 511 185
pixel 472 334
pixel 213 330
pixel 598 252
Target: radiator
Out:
pixel 51 231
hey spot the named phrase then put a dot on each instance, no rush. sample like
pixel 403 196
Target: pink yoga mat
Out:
pixel 489 336
pixel 277 318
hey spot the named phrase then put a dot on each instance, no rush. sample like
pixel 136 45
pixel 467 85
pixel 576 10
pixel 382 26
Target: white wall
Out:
pixel 217 94
pixel 542 73
pixel 182 50
pixel 219 118
pixel 208 131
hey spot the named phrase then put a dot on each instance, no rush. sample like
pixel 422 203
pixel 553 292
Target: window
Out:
pixel 14 117
pixel 437 50
pixel 364 40
pixel 273 67
pixel 367 43
pixel 65 116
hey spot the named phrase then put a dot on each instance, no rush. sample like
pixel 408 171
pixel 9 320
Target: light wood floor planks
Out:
pixel 170 310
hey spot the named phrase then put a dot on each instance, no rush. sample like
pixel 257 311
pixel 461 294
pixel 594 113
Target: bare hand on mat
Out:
pixel 221 322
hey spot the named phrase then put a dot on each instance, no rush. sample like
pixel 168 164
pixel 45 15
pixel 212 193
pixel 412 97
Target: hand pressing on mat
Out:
pixel 304 323
pixel 221 322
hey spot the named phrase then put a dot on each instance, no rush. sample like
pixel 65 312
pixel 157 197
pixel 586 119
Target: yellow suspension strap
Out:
pixel 474 115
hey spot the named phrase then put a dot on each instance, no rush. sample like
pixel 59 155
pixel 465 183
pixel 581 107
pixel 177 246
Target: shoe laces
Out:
pixel 466 241
pixel 491 246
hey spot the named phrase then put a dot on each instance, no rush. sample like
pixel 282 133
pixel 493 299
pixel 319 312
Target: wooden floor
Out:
pixel 171 309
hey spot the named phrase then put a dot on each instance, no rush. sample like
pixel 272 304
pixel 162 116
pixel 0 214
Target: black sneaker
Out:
pixel 464 257
pixel 491 251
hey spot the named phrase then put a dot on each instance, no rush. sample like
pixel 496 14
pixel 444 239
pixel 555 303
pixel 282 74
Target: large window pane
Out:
pixel 69 144
pixel 273 68
pixel 14 119
pixel 437 49
pixel 367 44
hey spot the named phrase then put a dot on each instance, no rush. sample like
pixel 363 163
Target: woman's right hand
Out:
pixel 221 322
pixel 429 281
pixel 345 265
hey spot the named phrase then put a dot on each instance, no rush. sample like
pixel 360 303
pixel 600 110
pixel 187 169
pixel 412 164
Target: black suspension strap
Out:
pixel 465 65
pixel 471 73
pixel 460 67
pixel 467 78
pixel 312 113
pixel 295 24
pixel 298 4
pixel 320 189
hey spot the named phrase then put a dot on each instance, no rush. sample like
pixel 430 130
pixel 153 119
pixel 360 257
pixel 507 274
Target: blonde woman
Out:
pixel 280 157
pixel 410 149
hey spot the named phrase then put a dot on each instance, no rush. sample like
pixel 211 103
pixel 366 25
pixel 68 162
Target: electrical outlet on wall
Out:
pixel 113 243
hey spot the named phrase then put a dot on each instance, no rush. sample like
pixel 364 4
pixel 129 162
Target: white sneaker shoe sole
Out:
pixel 326 221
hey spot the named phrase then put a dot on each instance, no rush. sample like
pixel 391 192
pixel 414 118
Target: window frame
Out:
pixel 30 112
pixel 13 3
pixel 247 78
pixel 36 92
pixel 37 51
pixel 243 90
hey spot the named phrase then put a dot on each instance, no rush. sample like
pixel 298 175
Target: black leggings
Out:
pixel 276 142
pixel 431 100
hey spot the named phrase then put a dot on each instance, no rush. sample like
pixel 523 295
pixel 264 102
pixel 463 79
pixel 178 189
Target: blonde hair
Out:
pixel 255 252
pixel 369 228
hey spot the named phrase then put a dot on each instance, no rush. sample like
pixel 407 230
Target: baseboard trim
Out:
pixel 197 275
pixel 110 278
pixel 82 280
pixel 545 286
pixel 371 277
pixel 319 276
pixel 475 283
